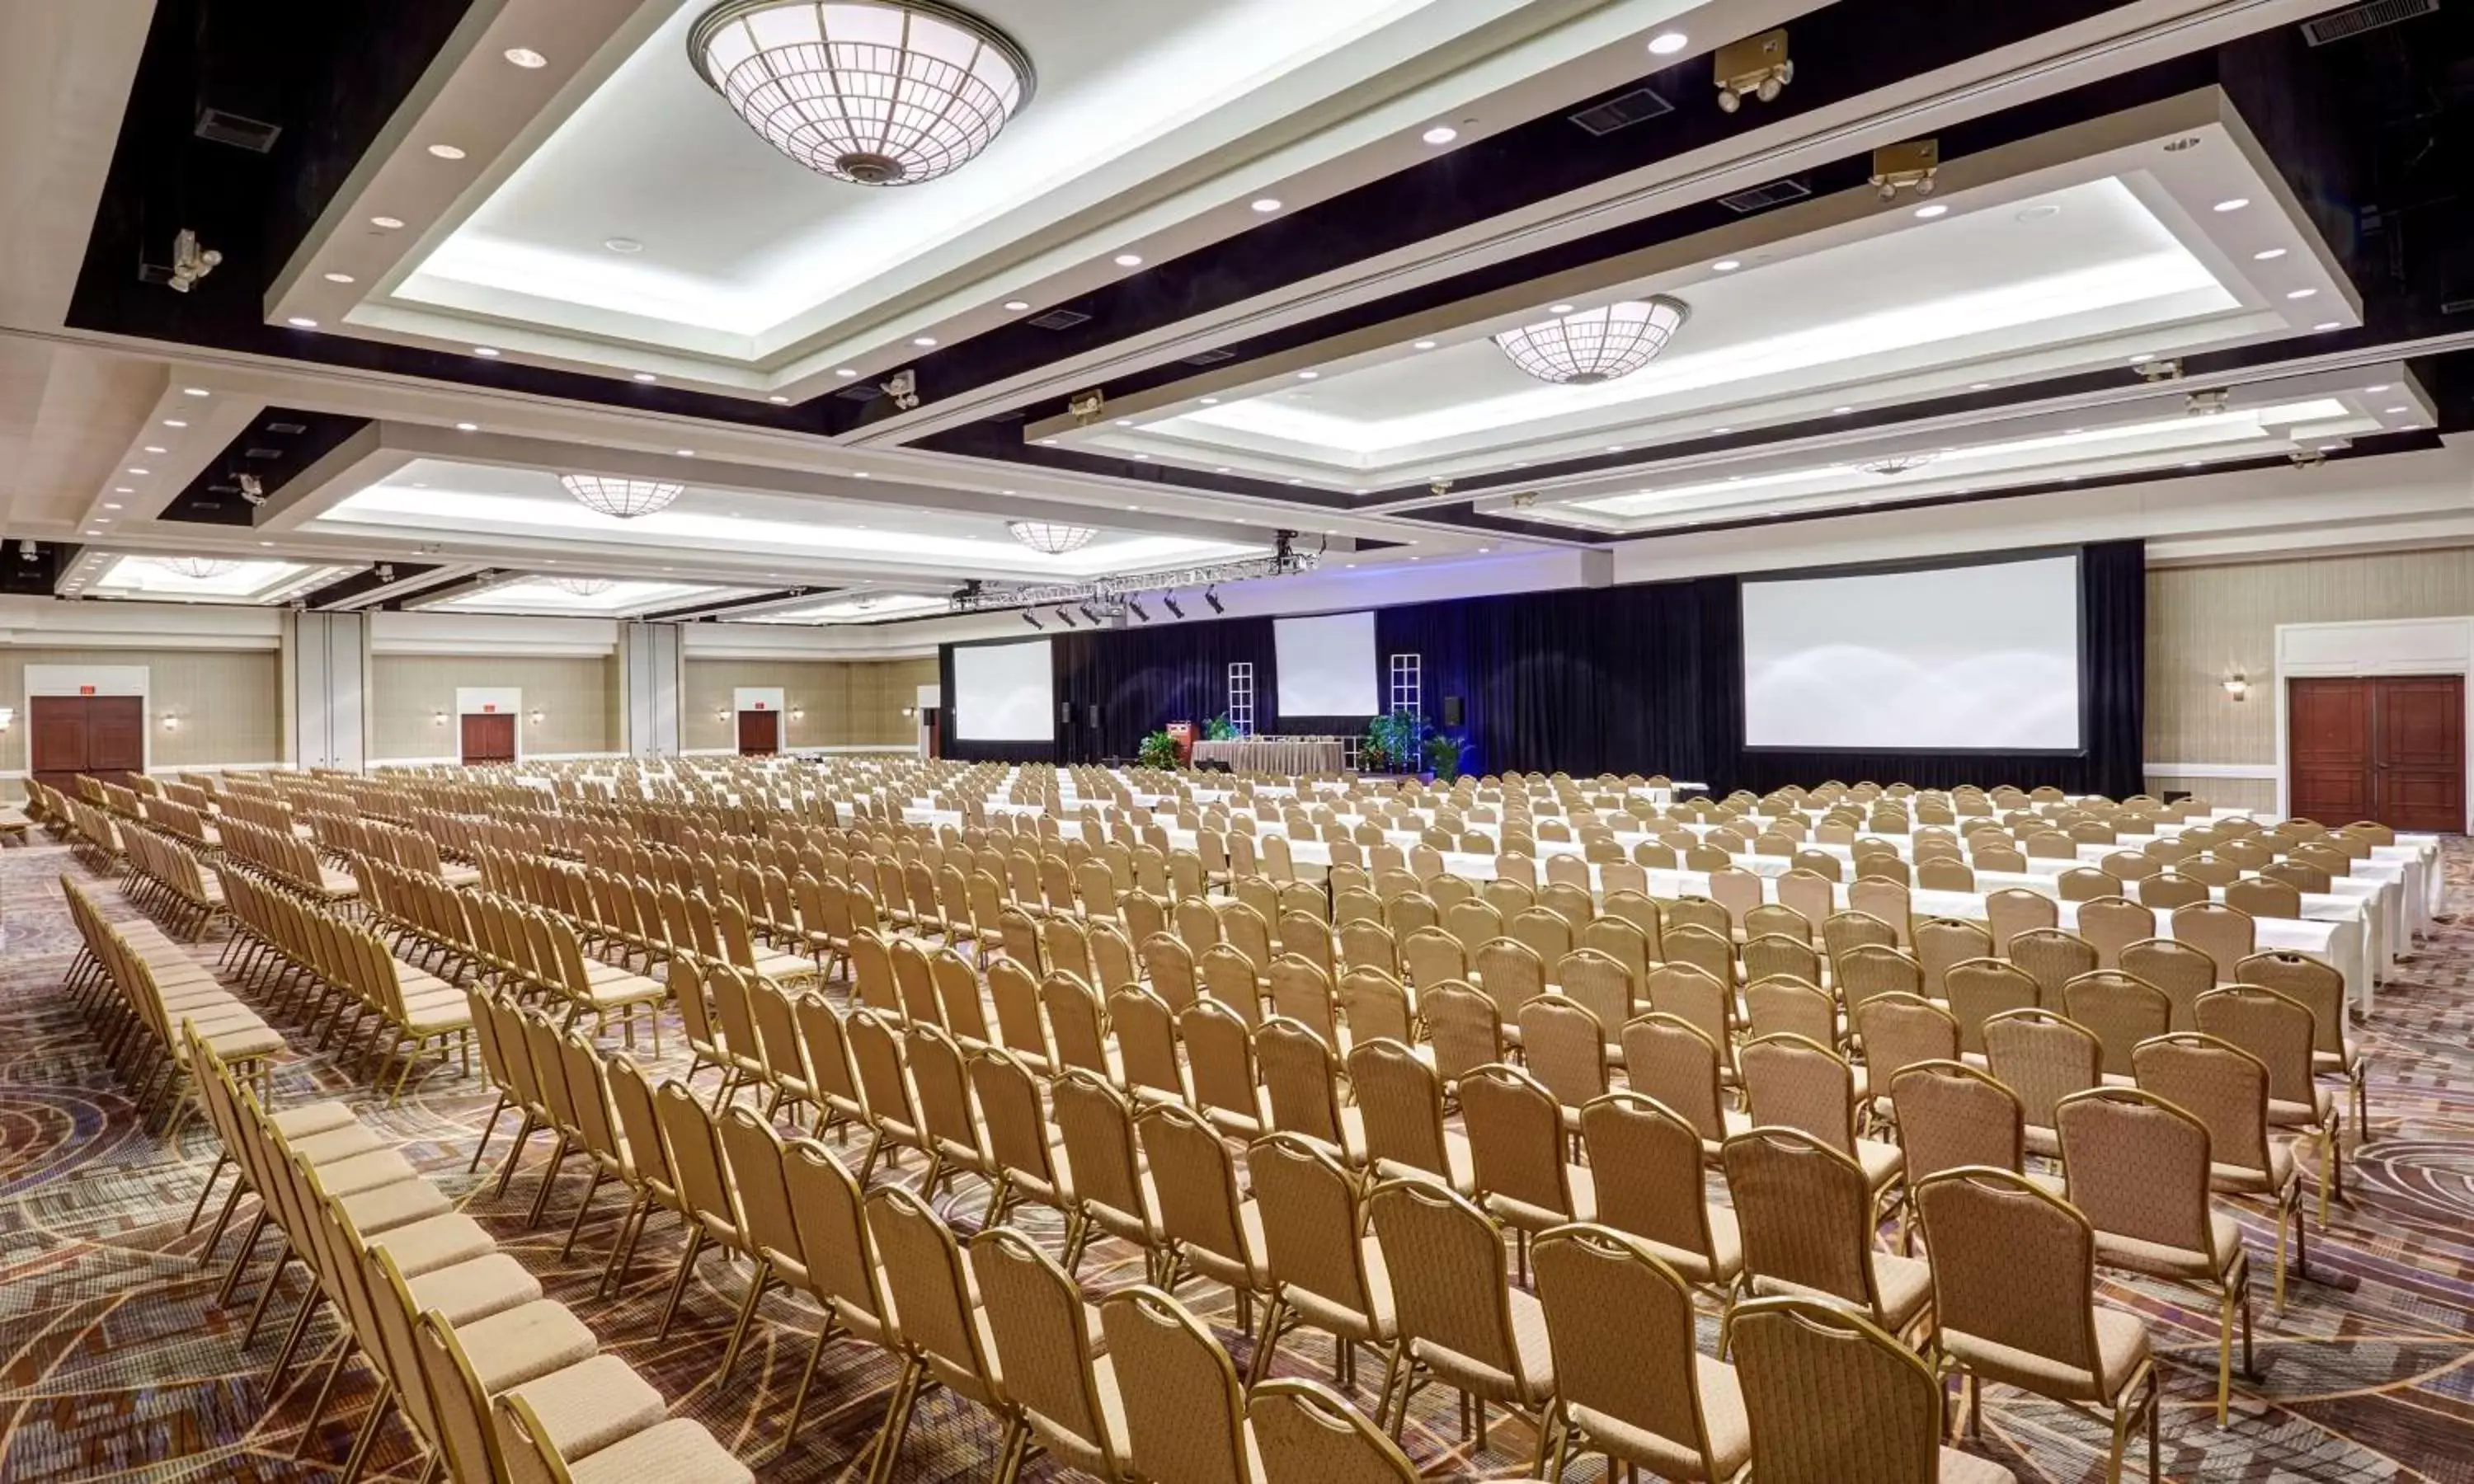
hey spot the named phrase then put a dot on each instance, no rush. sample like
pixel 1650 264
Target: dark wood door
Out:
pixel 101 736
pixel 2385 747
pixel 759 733
pixel 489 737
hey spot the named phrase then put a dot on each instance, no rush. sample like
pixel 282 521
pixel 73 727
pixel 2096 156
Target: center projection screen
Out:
pixel 1004 693
pixel 1982 658
pixel 1326 666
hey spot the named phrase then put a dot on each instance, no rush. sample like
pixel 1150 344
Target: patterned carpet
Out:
pixel 114 1363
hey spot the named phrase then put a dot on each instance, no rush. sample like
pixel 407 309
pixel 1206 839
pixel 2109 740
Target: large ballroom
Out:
pixel 1236 741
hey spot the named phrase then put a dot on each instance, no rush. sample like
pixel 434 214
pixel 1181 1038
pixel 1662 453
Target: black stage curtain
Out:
pixel 1644 678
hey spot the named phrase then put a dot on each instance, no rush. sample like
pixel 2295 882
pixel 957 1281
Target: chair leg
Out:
pixel 756 1284
pixel 209 1189
pixel 361 1455
pixel 582 1208
pixel 679 1285
pixel 489 1126
pixel 625 1242
pixel 807 1378
pixel 514 1156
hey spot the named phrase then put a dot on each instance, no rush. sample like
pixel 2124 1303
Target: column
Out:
pixel 649 673
pixel 327 677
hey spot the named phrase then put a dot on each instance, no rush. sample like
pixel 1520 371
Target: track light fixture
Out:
pixel 1753 67
pixel 1107 594
pixel 1136 609
pixel 1171 603
pixel 2208 403
pixel 1030 618
pixel 1091 613
pixel 1064 618
pixel 1211 595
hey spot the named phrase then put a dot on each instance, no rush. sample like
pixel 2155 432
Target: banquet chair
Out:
pixel 2052 957
pixel 1630 1380
pixel 1183 1403
pixel 1787 1004
pixel 1461 1320
pixel 1897 1031
pixel 2279 1032
pixel 2137 1169
pixel 1980 989
pixel 1306 1433
pixel 1202 1226
pixel 1400 1101
pixel 2228 1089
pixel 2321 989
pixel 1829 1399
pixel 1646 1167
pixel 2014 910
pixel 1951 1115
pixel 1796 1082
pixel 1696 947
pixel 1564 1046
pixel 1323 1268
pixel 2170 889
pixel 1046 1366
pixel 1843 932
pixel 1943 942
pixel 936 1327
pixel 2111 924
pixel 1516 1137
pixel 2121 1010
pixel 2226 935
pixel 1808 1219
pixel 2181 970
pixel 2033 1324
pixel 2043 1057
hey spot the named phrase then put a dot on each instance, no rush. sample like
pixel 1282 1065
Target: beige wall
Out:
pixel 837 702
pixel 228 702
pixel 579 700
pixel 2205 623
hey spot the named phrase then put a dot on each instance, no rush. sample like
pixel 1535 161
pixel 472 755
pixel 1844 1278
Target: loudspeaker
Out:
pixel 1452 711
pixel 1065 713
pixel 1095 715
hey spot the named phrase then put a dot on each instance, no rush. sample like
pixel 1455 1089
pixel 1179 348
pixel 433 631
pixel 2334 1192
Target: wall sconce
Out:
pixel 2236 685
pixel 537 716
pixel 798 714
pixel 8 717
pixel 908 712
pixel 438 718
pixel 171 721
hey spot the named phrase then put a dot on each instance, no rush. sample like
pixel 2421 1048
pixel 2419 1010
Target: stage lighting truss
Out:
pixel 1107 595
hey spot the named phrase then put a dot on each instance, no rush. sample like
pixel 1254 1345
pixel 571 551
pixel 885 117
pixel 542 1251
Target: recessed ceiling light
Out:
pixel 646 376
pixel 846 371
pixel 2234 203
pixel 1017 305
pixel 2393 411
pixel 302 322
pixel 173 422
pixel 1722 430
pixel 1440 134
pixel 684 453
pixel 266 543
pixel 2382 386
pixel 1423 344
pixel 1130 261
pixel 1614 447
pixel 923 341
pixel 141 472
pixel 467 427
pixel 526 57
pixel 193 391
pixel 1928 212
pixel 2142 358
pixel 445 151
pixel 2041 212
pixel 2267 254
pixel 1048 443
pixel 1266 205
pixel 125 490
pixel 111 505
pixel 2193 463
pixel 159 448
pixel 1211 401
pixel 103 520
pixel 2328 324
pixel 622 245
pixel 1484 549
pixel 1142 458
pixel 1727 265
pixel 1308 375
pixel 1979 386
pixel 1559 310
pixel 860 474
pixel 1840 412
pixel 2300 292
pixel 339 277
pixel 1219 468
pixel 777 400
pixel 1667 43
pixel 386 224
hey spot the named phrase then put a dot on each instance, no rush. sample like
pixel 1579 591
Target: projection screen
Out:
pixel 1958 657
pixel 1326 666
pixel 1003 693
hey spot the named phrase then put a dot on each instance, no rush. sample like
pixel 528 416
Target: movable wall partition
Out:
pixel 1639 677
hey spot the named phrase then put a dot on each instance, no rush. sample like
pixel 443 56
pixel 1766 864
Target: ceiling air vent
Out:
pixel 1210 357
pixel 863 392
pixel 237 129
pixel 1059 318
pixel 262 453
pixel 1622 111
pixel 2355 19
pixel 288 429
pixel 1761 197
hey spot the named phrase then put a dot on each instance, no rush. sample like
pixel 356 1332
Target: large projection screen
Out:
pixel 1326 666
pixel 1981 657
pixel 1003 693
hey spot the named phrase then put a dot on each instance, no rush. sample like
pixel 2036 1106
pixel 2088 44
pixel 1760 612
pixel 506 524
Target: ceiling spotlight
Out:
pixel 1559 308
pixel 890 93
pixel 846 373
pixel 1440 134
pixel 622 499
pixel 2329 324
pixel 1266 205
pixel 339 277
pixel 1137 608
pixel 2236 203
pixel 1063 618
pixel 1130 261
pixel 1017 305
pixel 445 151
pixel 526 57
pixel 1030 618
pixel 1169 602
pixel 1595 345
pixel 779 400
pixel 195 392
pixel 1933 209
pixel 2267 254
pixel 2207 403
pixel 1211 595
pixel 1667 43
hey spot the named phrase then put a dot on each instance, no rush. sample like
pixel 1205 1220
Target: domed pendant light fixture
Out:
pixel 1590 345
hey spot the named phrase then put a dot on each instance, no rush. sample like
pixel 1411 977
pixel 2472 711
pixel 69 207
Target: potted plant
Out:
pixel 1392 742
pixel 1220 729
pixel 1443 757
pixel 1158 751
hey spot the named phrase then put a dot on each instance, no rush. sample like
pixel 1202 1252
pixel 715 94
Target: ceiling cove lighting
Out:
pixel 1051 537
pixel 875 92
pixel 199 568
pixel 624 499
pixel 1595 345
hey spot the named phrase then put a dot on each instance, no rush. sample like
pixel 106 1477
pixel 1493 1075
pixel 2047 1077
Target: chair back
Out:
pixel 2274 1028
pixel 1453 1289
pixel 1673 1062
pixel 1307 1433
pixel 1806 1212
pixel 1794 1083
pixel 2122 1009
pixel 1833 1400
pixel 2044 1058
pixel 1516 1135
pixel 1646 1158
pixel 931 1299
pixel 1620 1324
pixel 1402 1100
pixel 1185 1416
pixel 2138 1167
pixel 2012 1265
pixel 1951 1116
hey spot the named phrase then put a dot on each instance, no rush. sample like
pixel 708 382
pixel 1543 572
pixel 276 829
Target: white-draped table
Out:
pixel 1273 754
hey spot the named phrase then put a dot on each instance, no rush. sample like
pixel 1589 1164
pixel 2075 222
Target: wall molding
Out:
pixel 2210 769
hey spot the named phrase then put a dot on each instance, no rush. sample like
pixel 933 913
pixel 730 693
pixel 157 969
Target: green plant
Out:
pixel 1443 757
pixel 1392 742
pixel 1158 751
pixel 1220 729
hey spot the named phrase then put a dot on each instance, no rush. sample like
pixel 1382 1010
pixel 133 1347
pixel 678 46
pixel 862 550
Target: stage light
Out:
pixel 1136 609
pixel 1091 613
pixel 1032 619
pixel 1175 612
pixel 1064 618
pixel 1211 595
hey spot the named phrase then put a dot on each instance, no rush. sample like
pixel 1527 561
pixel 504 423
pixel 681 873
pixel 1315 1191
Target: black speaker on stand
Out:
pixel 1452 711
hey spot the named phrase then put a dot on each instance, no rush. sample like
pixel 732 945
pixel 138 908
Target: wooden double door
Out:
pixel 488 737
pixel 759 733
pixel 101 736
pixel 2389 748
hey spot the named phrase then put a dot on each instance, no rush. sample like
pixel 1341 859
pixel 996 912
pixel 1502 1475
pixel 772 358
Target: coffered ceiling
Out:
pixel 1227 285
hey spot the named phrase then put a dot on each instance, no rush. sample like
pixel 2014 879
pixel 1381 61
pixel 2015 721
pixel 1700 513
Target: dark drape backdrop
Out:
pixel 1642 678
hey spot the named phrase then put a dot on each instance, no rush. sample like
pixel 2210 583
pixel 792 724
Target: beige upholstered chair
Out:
pixel 2014 1302
pixel 1865 970
pixel 1793 1083
pixel 2228 1089
pixel 2139 1171
pixel 1980 989
pixel 1462 1322
pixel 1400 1098
pixel 1324 1272
pixel 1943 942
pixel 936 1327
pixel 1307 1433
pixel 1808 1218
pixel 1899 1031
pixel 1184 1408
pixel 2043 1057
pixel 2321 989
pixel 2112 923
pixel 1564 1047
pixel 2225 934
pixel 1829 1399
pixel 1516 1137
pixel 1673 1060
pixel 1951 1115
pixel 1630 1380
pixel 1646 1163
pixel 2122 1010
pixel 1204 1225
pixel 1040 1330
pixel 2279 1032
pixel 2052 957
pixel 2184 973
